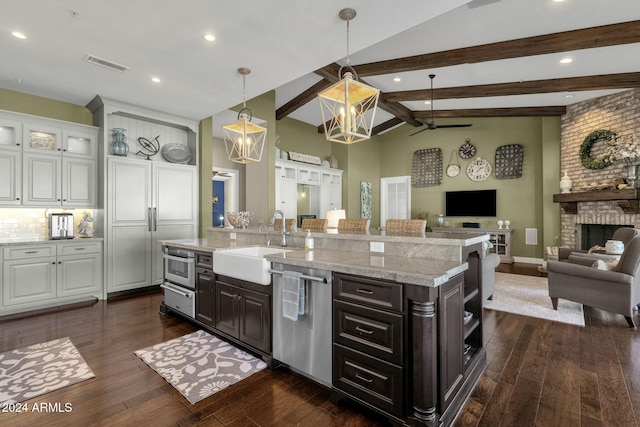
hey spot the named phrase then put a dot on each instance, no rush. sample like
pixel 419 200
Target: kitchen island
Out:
pixel 406 349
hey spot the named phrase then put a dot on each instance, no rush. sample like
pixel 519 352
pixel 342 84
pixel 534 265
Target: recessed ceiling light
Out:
pixel 566 60
pixel 397 79
pixel 155 79
pixel 427 102
pixel 568 95
pixel 18 35
pixel 209 37
pixel 558 1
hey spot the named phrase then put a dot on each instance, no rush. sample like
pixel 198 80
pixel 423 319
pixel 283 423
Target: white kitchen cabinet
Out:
pixel 51 180
pixel 287 188
pixel 147 203
pixel 55 164
pixel 48 275
pixel 10 134
pixel 330 191
pixel 29 280
pixel 10 177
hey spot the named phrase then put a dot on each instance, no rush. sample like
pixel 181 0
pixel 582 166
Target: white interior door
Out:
pixel 395 198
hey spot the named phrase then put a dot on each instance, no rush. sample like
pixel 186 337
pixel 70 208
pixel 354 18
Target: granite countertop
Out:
pixel 418 271
pixel 46 240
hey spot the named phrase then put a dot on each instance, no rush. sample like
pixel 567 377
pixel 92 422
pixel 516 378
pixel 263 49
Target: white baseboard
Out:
pixel 528 260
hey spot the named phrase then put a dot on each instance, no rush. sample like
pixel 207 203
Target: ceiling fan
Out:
pixel 431 125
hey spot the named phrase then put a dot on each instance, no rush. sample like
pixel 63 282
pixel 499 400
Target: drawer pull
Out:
pixel 364 291
pixel 80 249
pixel 31 252
pixel 365 379
pixel 364 331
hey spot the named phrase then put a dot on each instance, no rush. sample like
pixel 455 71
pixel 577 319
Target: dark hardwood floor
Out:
pixel 539 373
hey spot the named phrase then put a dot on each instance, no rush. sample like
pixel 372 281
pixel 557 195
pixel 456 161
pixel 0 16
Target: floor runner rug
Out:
pixel 529 296
pixel 200 364
pixel 32 371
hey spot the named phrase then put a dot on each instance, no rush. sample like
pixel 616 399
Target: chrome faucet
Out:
pixel 283 239
pixel 266 230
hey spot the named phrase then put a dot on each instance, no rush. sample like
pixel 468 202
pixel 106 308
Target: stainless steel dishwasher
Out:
pixel 305 344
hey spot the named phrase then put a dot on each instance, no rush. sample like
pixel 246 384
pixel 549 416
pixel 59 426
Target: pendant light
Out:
pixel 244 140
pixel 348 107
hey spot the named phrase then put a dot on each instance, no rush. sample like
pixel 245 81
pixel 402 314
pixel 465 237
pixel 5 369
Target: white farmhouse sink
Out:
pixel 246 263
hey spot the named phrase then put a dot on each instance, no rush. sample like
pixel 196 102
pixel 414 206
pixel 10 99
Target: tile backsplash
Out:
pixel 20 223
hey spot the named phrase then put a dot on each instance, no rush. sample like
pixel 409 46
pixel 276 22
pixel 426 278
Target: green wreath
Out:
pixel 585 149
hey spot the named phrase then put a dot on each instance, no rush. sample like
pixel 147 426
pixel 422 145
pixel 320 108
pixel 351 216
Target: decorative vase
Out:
pixel 119 146
pixel 440 220
pixel 333 161
pixel 507 223
pixel 632 175
pixel 500 224
pixel 565 183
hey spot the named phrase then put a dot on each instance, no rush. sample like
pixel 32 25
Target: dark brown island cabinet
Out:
pixel 407 351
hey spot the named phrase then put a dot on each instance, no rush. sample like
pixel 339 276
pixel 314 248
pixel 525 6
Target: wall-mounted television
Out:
pixel 475 203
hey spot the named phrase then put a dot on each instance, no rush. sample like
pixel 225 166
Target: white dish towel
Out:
pixel 292 294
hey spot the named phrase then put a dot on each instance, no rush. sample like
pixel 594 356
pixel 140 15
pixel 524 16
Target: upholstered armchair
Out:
pixel 624 234
pixel 616 290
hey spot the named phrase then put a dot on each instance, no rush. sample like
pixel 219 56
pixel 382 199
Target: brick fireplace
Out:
pixel 620 113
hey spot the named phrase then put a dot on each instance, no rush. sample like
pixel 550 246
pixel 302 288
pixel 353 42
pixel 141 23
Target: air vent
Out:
pixel 107 64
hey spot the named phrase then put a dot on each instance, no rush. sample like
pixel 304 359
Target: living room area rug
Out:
pixel 37 369
pixel 200 364
pixel 529 296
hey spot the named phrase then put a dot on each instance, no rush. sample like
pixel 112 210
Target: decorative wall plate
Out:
pixel 479 169
pixel 467 150
pixel 509 161
pixel 453 169
pixel 427 167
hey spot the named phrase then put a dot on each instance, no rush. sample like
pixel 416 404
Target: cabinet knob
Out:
pixel 64 200
pixel 53 263
pixel 59 149
pixel 18 144
pixel 17 198
pixel 58 199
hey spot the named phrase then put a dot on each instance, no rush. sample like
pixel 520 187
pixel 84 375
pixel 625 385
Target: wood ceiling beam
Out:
pixel 570 84
pixel 302 99
pixel 493 112
pixel 587 38
pixel 386 125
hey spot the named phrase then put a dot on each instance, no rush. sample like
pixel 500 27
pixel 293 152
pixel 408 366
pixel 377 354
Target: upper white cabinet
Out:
pixel 10 134
pixel 46 162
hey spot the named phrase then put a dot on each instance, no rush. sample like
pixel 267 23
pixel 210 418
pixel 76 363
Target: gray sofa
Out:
pixel 617 291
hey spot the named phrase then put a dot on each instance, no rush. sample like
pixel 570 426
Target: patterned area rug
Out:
pixel 38 369
pixel 529 296
pixel 199 364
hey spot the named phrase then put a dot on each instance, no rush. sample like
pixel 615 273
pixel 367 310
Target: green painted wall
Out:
pixel 35 105
pixel 519 200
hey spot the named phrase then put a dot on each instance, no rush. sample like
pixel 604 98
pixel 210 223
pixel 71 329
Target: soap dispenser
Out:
pixel 308 241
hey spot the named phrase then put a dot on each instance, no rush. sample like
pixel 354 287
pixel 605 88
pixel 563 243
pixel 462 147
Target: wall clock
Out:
pixel 427 167
pixel 479 169
pixel 509 161
pixel 467 150
pixel 454 168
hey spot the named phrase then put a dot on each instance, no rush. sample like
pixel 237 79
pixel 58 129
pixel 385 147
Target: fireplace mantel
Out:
pixel 626 199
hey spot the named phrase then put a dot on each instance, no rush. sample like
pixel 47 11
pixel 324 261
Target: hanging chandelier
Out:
pixel 244 140
pixel 348 107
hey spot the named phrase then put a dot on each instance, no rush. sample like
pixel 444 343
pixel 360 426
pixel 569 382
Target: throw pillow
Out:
pixel 605 265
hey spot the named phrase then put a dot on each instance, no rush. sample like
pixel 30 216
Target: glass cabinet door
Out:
pixel 10 134
pixel 41 138
pixel 78 143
